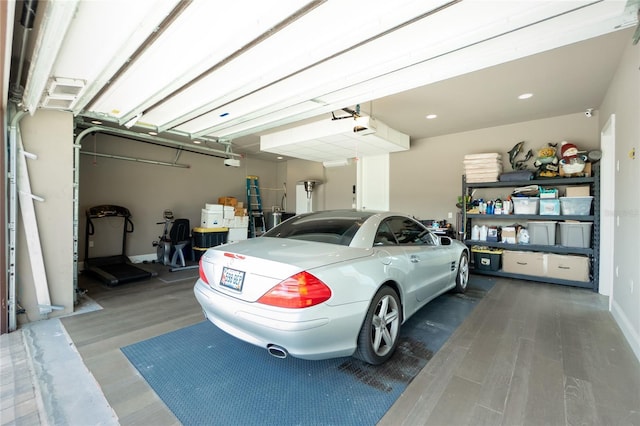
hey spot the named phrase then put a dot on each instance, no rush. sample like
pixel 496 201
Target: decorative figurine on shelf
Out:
pixel 519 167
pixel 573 162
pixel 513 154
pixel 547 162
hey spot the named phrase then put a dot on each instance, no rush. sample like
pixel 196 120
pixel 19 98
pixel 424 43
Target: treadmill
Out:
pixel 117 269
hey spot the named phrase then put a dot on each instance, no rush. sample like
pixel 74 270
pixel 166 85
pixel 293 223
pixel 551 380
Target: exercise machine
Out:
pixel 173 243
pixel 116 269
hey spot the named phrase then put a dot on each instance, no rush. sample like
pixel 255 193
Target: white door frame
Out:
pixel 607 203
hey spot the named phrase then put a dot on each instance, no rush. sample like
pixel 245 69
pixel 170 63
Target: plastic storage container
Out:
pixel 575 234
pixel 209 237
pixel 542 233
pixel 486 259
pixel 549 206
pixel 580 206
pixel 525 205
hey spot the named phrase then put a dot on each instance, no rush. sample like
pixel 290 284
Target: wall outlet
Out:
pixel 450 215
pixel 90 243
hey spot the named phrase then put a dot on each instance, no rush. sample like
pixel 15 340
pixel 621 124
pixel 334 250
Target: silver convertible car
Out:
pixel 329 284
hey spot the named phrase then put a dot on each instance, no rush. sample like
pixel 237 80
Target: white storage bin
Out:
pixel 580 206
pixel 525 205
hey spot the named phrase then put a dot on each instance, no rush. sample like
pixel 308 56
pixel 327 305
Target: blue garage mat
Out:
pixel 207 377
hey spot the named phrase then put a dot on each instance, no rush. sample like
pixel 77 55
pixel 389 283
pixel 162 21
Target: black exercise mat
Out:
pixel 207 377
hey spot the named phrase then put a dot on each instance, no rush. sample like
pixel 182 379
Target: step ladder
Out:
pixel 254 208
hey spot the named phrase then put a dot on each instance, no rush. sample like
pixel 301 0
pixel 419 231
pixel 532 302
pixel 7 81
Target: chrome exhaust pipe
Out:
pixel 277 351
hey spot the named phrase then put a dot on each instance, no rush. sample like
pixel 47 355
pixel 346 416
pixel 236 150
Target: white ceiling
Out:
pixel 227 73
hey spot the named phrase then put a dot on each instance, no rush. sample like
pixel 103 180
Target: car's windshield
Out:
pixel 323 228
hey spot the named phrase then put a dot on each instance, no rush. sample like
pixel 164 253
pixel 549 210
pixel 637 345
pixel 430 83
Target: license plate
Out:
pixel 232 278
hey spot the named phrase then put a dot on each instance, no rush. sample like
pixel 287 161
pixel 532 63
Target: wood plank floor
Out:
pixel 529 354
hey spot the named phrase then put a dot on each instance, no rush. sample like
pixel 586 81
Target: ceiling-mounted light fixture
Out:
pixel 55 23
pixel 336 163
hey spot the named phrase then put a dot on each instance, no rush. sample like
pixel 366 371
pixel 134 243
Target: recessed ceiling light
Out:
pixel 197 142
pixel 153 133
pixel 431 116
pixel 525 96
pixel 279 157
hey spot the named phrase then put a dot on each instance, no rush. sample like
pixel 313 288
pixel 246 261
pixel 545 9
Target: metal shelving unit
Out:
pixel 593 252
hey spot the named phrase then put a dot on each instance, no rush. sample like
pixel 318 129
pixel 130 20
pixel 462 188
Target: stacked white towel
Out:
pixel 485 167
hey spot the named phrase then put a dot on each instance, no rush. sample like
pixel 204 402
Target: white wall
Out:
pixel 147 189
pixel 427 179
pixel 623 100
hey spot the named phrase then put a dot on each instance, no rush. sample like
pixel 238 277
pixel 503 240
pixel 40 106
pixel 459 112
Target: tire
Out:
pixel 380 332
pixel 462 275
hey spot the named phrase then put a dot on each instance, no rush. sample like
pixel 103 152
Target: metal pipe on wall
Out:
pixel 139 160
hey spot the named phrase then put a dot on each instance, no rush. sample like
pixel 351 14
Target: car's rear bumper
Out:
pixel 318 332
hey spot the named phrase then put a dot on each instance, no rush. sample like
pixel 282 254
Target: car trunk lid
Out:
pixel 248 269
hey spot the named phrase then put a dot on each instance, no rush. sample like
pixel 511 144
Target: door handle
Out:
pixel 414 259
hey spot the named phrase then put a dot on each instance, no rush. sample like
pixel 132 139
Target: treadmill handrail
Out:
pixel 108 210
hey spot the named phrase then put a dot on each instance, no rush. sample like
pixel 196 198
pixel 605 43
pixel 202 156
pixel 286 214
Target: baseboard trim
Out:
pixel 627 329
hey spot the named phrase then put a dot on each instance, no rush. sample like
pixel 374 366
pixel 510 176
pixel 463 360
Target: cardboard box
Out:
pixel 585 173
pixel 568 267
pixel 524 262
pixel 548 193
pixel 493 234
pixel 228 201
pixel 229 212
pixel 508 234
pixel 578 191
pixel 210 219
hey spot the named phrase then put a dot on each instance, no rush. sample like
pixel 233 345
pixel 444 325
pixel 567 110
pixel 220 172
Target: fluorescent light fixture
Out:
pixel 55 23
pixel 431 116
pixel 336 163
pixel 525 96
pixel 63 93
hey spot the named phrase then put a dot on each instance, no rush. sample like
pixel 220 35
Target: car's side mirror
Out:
pixel 445 241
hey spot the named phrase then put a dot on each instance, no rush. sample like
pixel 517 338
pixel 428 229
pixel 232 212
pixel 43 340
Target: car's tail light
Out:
pixel 299 291
pixel 203 277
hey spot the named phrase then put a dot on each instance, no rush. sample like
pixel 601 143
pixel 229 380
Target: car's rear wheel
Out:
pixel 462 276
pixel 380 331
